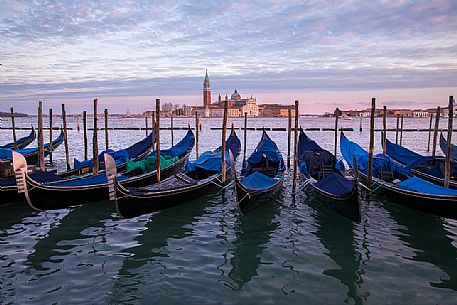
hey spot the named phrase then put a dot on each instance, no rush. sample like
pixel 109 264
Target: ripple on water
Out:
pixel 288 251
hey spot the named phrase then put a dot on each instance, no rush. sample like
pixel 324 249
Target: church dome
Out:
pixel 236 96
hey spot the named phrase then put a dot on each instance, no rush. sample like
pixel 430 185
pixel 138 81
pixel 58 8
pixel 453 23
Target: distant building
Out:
pixel 420 113
pixel 378 113
pixel 276 110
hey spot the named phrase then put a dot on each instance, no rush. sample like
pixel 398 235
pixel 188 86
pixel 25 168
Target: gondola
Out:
pixel 8 188
pixel 443 146
pixel 22 142
pixel 57 192
pixel 429 168
pixel 202 176
pixel 394 180
pixel 324 181
pixel 31 154
pixel 262 174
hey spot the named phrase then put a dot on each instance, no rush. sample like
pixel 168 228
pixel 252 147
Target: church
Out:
pixel 237 106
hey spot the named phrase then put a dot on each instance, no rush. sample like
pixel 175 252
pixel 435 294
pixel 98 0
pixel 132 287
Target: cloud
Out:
pixel 62 49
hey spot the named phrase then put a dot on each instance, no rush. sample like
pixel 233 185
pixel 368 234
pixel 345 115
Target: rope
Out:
pixel 300 187
pixel 222 187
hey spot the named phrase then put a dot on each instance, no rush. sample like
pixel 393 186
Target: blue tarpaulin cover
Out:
pixel 22 142
pixel 6 153
pixel 139 148
pixel 181 147
pixel 119 157
pixel 402 154
pixel 312 157
pixel 419 185
pixel 41 177
pixel 209 161
pixel 234 144
pixel 336 184
pixel 92 180
pixel 380 162
pixel 305 143
pixel 427 164
pixel 258 181
pixel 266 149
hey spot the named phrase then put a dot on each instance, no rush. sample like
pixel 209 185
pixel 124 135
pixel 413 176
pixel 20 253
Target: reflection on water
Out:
pixel 252 231
pixel 337 236
pixel 149 247
pixel 430 241
pixel 288 251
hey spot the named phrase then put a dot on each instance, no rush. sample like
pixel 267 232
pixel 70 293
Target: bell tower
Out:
pixel 206 91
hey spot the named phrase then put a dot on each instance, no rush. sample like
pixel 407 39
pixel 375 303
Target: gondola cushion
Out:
pixel 209 161
pixel 258 181
pixel 336 184
pixel 419 185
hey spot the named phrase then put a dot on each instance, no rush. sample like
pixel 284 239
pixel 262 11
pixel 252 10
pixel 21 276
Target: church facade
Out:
pixel 236 106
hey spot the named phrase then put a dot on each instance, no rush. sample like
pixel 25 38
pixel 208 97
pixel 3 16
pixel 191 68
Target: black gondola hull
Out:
pixel 49 197
pixel 441 205
pixel 249 199
pixel 129 205
pixel 9 194
pixel 433 179
pixel 347 206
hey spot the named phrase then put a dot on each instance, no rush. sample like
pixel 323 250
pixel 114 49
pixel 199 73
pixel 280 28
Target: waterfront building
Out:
pixel 276 110
pixel 420 113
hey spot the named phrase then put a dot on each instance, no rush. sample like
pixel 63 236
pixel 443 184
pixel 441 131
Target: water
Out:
pixel 289 251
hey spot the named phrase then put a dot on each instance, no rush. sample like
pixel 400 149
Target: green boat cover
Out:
pixel 149 164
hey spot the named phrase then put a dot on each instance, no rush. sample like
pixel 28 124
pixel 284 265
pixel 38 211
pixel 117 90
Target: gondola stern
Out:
pixel 111 176
pixel 20 170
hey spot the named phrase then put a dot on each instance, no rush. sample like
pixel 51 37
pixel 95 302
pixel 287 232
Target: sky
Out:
pixel 326 54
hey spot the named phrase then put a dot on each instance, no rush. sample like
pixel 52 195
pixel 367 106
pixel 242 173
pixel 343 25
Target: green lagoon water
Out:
pixel 291 250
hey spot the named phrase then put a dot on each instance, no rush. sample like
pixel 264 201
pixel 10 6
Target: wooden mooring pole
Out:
pixel 296 114
pixel 146 124
pixel 65 136
pixel 447 164
pixel 245 134
pixel 85 133
pixel 50 136
pixel 360 124
pixel 196 134
pixel 95 141
pixel 13 125
pixel 401 130
pixel 106 130
pixel 289 134
pixel 435 131
pixel 384 133
pixel 337 113
pixel 429 133
pixel 396 129
pixel 40 137
pixel 371 147
pixel 172 133
pixel 77 122
pixel 157 130
pixel 153 130
pixel 224 128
